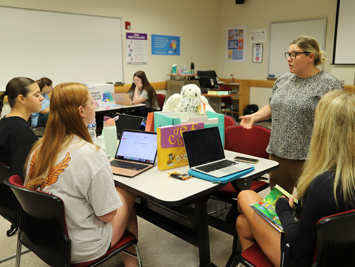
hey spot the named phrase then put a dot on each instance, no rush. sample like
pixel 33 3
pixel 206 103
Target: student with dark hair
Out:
pixel 16 136
pixel 66 163
pixel 40 118
pixel 142 92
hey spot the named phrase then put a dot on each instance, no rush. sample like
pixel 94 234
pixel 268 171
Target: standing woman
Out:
pixel 16 136
pixel 292 104
pixel 40 118
pixel 143 92
pixel 66 163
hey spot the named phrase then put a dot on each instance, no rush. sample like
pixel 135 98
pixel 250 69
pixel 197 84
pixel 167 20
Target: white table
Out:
pixel 158 188
pixel 103 107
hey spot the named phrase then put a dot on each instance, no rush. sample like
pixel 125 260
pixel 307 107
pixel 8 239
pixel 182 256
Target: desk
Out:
pixel 215 101
pixel 102 108
pixel 180 206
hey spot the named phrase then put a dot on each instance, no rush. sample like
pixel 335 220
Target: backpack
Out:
pixel 250 109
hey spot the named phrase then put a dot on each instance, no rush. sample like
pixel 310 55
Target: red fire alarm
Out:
pixel 127 25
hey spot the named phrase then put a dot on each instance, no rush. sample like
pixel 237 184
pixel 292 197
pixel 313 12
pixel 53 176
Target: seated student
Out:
pixel 326 187
pixel 71 167
pixel 16 136
pixel 143 92
pixel 40 118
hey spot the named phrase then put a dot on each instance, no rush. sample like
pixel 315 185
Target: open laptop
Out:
pixel 135 154
pixel 205 153
pixel 127 122
pixel 122 99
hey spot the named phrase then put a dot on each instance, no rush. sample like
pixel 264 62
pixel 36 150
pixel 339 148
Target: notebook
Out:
pixel 127 122
pixel 135 154
pixel 122 99
pixel 205 153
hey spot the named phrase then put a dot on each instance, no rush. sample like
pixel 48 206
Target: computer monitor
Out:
pixel 207 79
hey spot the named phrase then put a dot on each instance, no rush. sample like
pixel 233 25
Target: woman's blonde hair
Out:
pixel 310 45
pixel 64 121
pixel 332 145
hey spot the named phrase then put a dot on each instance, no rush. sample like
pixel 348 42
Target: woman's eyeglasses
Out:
pixel 293 55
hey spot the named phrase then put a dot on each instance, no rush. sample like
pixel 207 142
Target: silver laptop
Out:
pixel 135 154
pixel 205 153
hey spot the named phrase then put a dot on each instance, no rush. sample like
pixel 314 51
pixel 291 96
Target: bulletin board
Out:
pixel 283 33
pixel 64 47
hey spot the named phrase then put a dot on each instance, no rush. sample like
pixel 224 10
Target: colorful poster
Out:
pixel 236 46
pixel 136 49
pixel 165 45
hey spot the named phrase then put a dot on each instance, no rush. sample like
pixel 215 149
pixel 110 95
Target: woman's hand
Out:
pixel 139 86
pixel 247 121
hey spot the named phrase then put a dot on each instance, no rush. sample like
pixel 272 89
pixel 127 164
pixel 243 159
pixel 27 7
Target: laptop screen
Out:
pixel 203 146
pixel 137 146
pixel 127 122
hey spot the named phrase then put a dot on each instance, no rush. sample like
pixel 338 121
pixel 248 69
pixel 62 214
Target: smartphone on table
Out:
pixel 246 160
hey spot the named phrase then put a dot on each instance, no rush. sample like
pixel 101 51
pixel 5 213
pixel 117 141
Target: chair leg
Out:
pixel 14 256
pixel 18 251
pixel 137 256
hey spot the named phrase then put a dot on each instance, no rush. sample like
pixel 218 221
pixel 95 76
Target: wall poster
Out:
pixel 236 44
pixel 165 45
pixel 136 49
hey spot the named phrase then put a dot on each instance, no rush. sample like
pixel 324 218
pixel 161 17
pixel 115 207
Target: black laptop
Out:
pixel 127 122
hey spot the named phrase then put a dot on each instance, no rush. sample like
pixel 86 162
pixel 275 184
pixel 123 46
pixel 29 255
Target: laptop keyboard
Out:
pixel 216 165
pixel 128 165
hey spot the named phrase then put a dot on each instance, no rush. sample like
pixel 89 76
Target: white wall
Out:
pixel 182 18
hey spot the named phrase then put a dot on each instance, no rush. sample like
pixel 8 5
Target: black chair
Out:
pixel 42 228
pixel 335 244
pixel 8 205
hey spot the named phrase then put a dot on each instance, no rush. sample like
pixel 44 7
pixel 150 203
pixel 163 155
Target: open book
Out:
pixel 267 207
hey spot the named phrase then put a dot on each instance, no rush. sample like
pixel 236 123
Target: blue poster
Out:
pixel 165 45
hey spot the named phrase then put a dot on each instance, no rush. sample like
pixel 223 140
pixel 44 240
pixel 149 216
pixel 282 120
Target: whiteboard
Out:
pixel 64 47
pixel 344 37
pixel 283 33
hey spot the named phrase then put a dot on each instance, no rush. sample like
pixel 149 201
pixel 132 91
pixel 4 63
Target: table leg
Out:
pixel 215 103
pixel 202 233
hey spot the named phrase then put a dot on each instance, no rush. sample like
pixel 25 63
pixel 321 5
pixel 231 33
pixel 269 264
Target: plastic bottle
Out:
pixel 184 68
pixel 92 130
pixel 231 78
pixel 181 69
pixel 110 136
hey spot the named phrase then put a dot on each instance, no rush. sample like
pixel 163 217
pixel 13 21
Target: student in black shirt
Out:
pixel 16 136
pixel 326 187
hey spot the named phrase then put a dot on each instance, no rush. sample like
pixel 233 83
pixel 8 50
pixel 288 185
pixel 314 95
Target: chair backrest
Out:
pixel 228 121
pixel 8 202
pixel 252 142
pixel 161 99
pixel 42 224
pixel 336 240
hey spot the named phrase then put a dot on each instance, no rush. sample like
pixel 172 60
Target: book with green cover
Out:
pixel 267 207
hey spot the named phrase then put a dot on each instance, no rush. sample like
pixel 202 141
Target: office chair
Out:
pixel 335 244
pixel 8 205
pixel 161 99
pixel 226 100
pixel 229 121
pixel 251 142
pixel 43 229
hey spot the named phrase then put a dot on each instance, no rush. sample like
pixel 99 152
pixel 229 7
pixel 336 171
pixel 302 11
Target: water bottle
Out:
pixel 92 130
pixel 110 136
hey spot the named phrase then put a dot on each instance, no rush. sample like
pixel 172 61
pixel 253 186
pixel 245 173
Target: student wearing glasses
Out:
pixel 292 103
pixel 142 92
pixel 40 118
pixel 326 187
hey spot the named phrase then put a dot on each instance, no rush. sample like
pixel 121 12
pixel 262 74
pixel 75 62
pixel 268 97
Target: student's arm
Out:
pixel 45 111
pixel 137 99
pixel 302 235
pixel 263 114
pixel 108 217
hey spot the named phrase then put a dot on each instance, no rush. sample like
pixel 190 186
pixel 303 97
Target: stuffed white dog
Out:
pixel 187 101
